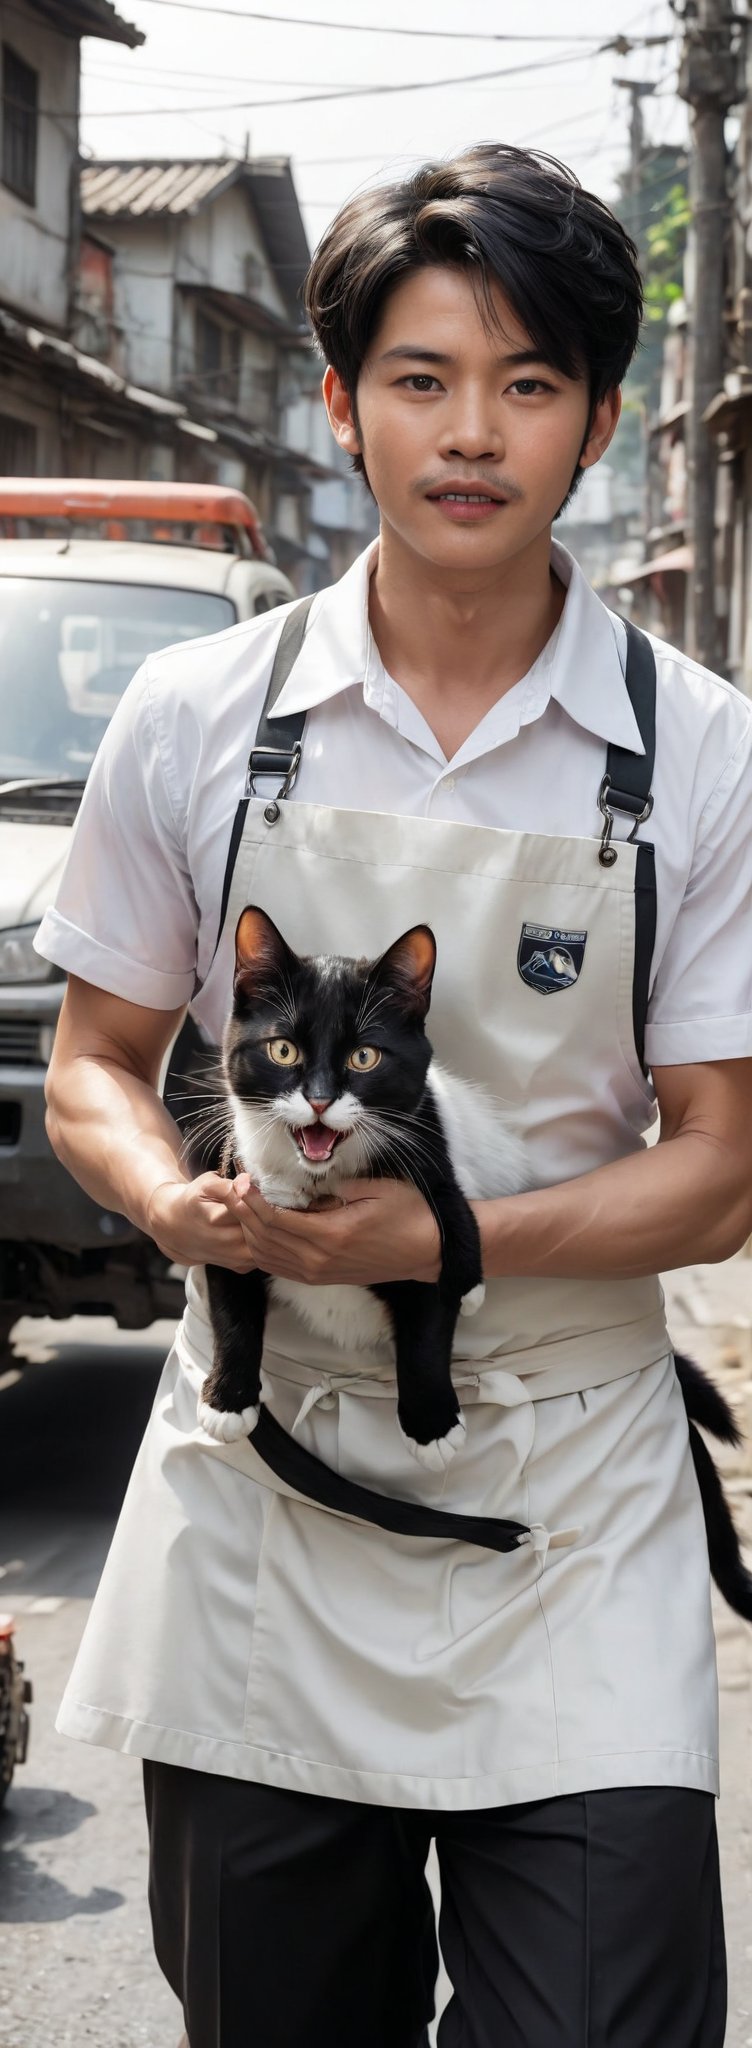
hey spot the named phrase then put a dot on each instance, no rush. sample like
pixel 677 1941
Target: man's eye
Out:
pixel 419 377
pixel 531 384
pixel 282 1052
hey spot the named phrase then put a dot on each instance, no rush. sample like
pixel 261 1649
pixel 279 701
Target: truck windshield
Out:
pixel 67 651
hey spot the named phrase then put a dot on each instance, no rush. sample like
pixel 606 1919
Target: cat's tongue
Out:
pixel 317 1141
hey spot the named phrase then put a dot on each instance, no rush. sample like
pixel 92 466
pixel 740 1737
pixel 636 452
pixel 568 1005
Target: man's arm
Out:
pixel 108 1125
pixel 684 1200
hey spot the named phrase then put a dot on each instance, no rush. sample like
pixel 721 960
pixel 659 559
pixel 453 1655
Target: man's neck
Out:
pixel 457 643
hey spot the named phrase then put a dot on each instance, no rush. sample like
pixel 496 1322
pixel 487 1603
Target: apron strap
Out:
pixel 276 750
pixel 630 776
pixel 277 738
pixel 309 1476
pixel 626 787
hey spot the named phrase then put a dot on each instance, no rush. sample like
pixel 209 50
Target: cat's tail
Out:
pixel 707 1407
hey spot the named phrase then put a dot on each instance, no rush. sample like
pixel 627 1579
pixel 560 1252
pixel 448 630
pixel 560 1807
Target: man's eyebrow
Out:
pixel 415 353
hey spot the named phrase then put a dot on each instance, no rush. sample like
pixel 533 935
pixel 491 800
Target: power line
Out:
pixel 305 99
pixel 349 92
pixel 453 35
pixel 162 79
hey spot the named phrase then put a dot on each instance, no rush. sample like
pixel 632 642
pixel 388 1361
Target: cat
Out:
pixel 330 1076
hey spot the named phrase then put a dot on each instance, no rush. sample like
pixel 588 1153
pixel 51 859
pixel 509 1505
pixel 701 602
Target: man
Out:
pixel 464 737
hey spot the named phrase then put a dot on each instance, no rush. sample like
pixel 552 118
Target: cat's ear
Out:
pixel 408 968
pixel 261 953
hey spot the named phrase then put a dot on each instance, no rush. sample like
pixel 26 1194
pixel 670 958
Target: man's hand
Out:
pixel 377 1230
pixel 191 1222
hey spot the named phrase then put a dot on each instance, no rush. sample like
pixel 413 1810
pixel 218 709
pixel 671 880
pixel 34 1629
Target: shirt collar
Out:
pixel 586 671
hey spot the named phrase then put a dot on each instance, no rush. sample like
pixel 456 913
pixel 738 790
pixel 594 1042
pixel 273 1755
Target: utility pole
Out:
pixel 711 81
pixel 639 89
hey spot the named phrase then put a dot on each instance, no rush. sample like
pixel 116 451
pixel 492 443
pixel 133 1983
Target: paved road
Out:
pixel 78 1965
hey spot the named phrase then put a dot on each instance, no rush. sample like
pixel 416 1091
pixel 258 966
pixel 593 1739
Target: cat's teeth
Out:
pixel 224 1425
pixel 437 1455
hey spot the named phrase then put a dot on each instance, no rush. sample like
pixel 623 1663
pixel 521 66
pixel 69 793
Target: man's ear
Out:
pixel 603 424
pixel 341 413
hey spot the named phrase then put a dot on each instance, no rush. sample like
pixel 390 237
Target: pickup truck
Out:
pixel 77 616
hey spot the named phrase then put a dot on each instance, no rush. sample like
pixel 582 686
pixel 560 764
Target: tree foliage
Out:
pixel 665 240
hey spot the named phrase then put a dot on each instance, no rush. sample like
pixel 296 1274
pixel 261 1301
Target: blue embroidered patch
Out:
pixel 550 960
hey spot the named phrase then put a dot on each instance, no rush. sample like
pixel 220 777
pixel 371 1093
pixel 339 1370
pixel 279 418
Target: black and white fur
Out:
pixel 447 1135
pixel 409 1119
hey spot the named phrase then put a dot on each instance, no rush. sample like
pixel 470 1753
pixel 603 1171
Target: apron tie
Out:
pixel 386 1511
pixel 321 1395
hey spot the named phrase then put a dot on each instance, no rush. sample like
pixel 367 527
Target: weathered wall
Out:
pixel 34 278
pixel 159 264
pixel 143 286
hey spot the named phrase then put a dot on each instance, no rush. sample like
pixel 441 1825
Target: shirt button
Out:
pixel 449 784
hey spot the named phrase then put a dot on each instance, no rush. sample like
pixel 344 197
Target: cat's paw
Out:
pixel 474 1300
pixel 438 1454
pixel 225 1426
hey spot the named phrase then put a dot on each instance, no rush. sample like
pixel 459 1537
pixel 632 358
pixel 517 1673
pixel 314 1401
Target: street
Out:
pixel 77 1950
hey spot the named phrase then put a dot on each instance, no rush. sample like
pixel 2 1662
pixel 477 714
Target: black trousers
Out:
pixel 285 1920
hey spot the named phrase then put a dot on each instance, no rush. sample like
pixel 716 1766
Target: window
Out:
pixel 217 357
pixel 19 151
pixel 18 447
pixel 76 646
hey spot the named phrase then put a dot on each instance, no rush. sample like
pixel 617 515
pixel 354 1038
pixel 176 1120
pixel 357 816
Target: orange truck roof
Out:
pixel 84 498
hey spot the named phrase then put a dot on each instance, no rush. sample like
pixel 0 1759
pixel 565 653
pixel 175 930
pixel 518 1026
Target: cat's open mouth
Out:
pixel 317 1142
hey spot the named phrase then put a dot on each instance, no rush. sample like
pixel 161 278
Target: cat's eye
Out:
pixel 364 1059
pixel 282 1052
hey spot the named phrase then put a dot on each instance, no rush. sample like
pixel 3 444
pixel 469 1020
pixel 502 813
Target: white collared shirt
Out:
pixel 138 907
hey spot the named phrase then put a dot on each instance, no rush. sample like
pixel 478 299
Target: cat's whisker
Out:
pixel 212 1119
pixel 207 1134
pixel 368 1011
pixel 416 1144
pixel 213 1108
pixel 393 1150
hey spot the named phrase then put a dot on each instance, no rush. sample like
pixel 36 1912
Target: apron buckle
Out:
pixel 274 761
pixel 620 801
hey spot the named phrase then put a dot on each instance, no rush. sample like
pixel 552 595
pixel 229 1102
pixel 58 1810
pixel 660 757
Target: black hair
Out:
pixel 514 216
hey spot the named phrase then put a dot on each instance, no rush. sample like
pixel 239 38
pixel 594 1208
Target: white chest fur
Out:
pixel 487 1157
pixel 351 1317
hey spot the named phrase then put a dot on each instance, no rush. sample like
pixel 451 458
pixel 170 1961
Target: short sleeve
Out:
pixel 125 914
pixel 701 1006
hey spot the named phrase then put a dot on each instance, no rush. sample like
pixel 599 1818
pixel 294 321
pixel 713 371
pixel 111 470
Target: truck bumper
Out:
pixel 40 1203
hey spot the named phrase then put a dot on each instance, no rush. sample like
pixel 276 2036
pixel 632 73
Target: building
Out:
pixel 150 317
pixel 40 55
pixel 189 286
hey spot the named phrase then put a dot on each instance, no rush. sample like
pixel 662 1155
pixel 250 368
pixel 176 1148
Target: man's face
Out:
pixel 445 402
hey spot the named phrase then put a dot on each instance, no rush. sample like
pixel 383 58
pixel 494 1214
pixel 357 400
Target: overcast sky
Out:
pixel 182 93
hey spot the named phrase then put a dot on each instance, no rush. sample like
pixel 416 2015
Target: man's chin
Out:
pixel 445 546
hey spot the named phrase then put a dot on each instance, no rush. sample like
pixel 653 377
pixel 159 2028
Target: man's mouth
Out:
pixel 465 498
pixel 317 1142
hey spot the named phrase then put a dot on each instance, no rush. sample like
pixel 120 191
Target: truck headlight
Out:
pixel 18 960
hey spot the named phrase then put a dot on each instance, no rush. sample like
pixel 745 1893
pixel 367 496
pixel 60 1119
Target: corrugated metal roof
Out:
pixel 132 190
pixel 90 18
pixel 59 354
pixel 153 188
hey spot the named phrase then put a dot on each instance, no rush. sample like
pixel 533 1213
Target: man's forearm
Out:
pixel 678 1203
pixel 115 1136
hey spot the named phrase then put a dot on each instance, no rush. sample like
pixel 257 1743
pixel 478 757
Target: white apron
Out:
pixel 241 1627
